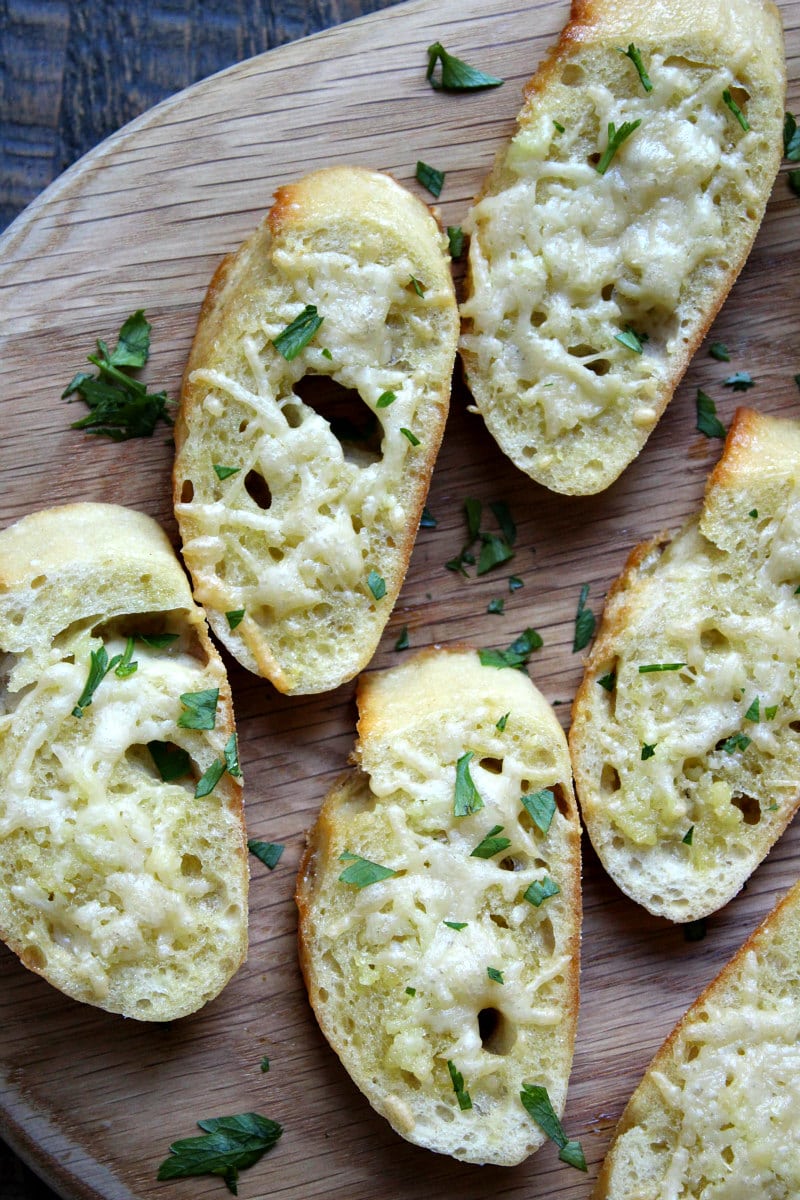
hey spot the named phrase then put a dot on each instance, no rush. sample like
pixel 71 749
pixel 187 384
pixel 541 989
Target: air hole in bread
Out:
pixel 351 421
pixel 609 779
pixel 726 1153
pixel 191 865
pixel 547 935
pixel 538 318
pixel 410 1080
pixel 712 639
pixel 572 75
pixel 599 366
pixel 498 1034
pixel 293 415
pixel 692 1053
pixel 34 958
pixel 560 799
pixel 607 292
pixel 144 1003
pixel 187 492
pixel 499 920
pixel 749 808
pixel 581 351
pixel 739 94
pixel 257 489
pixel 38 581
pixel 493 765
pixel 518 863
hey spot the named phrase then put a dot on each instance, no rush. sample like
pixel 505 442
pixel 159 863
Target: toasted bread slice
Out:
pixel 446 969
pixel 118 885
pixel 685 743
pixel 717 1114
pixel 588 293
pixel 299 550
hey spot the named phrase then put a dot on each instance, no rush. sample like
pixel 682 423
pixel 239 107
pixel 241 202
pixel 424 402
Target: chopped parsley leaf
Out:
pixel 455 238
pixel 456 75
pixel 753 513
pixel 753 712
pixel 740 381
pixel 467 798
pixel 268 853
pixel 234 617
pixel 327 354
pixel 636 58
pixel 495 975
pixel 504 519
pixel 734 107
pixel 708 422
pixel 688 837
pixel 157 641
pixel 402 642
pixel 491 844
pixel 503 721
pixel 418 287
pixel 517 654
pixel 473 510
pixel 649 668
pixel 209 779
pixel 376 584
pixel 427 520
pixel 770 711
pixel 171 762
pixel 122 664
pixel 584 622
pixel 362 872
pixel 99 666
pixel 264 1065
pixel 495 550
pixel 231 753
pixel 225 472
pixel 385 399
pixel 411 991
pixel 737 741
pixel 648 751
pixel 541 807
pixel 719 351
pixel 457 1079
pixel 561 128
pixel 457 925
pixel 296 336
pixel 201 709
pixel 496 605
pixel 615 139
pixel 631 339
pixel 541 890
pixel 609 681
pixel 538 1106
pixel 515 583
pixel 430 178
pixel 227 1145
pixel 412 437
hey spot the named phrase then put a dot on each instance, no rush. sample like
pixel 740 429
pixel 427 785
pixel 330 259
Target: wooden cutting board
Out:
pixel 93 1101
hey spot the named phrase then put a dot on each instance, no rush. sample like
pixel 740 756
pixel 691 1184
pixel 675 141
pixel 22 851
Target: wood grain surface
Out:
pixel 94 1101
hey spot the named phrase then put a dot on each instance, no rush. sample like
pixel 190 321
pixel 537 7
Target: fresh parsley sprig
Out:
pixel 121 406
pixel 296 336
pixel 537 1104
pixel 541 807
pixel 227 1146
pixel 491 844
pixel 615 139
pixel 467 798
pixel 362 871
pixel 708 423
pixel 456 75
pixel 516 655
pixel 99 667
pixel 636 58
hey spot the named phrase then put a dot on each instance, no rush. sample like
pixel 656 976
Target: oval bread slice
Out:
pixel 119 886
pixel 717 1114
pixel 685 743
pixel 298 531
pixel 588 293
pixel 441 987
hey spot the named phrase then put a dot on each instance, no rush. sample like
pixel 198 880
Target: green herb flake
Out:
pixel 418 287
pixel 456 75
pixel 201 709
pixel 730 103
pixel 376 584
pixel 541 890
pixel 636 58
pixel 157 641
pixel 791 138
pixel 411 991
pixel 771 807
pixel 327 354
pixel 740 381
pixel 708 423
pixel 517 654
pixel 231 753
pixel 457 1079
pixel 688 837
pixel 171 762
pixel 495 975
pixel 209 780
pixel 491 844
pixel 648 751
pixel 455 239
pixel 540 806
pixel 402 642
pixel 495 550
pixel 515 583
pixel 473 510
pixel 362 872
pixel 234 617
pixel 753 513
pixel 225 472
pixel 99 666
pixel 264 1065
pixel 537 1104
pixel 615 139
pixel 651 668
pixel 467 799
pixel 120 405
pixel 719 351
pixel 503 721
pixel 770 711
pixel 631 339
pixel 609 681
pixel 427 520
pixel 496 605
pixel 584 622
pixel 268 853
pixel 753 712
pixel 122 663
pixel 504 519
pixel 412 437
pixel 385 399
pixel 561 128
pixel 430 178
pixel 296 336
pixel 228 1145
pixel 457 925
pixel 737 741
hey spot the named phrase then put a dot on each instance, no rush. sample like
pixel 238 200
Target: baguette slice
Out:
pixel 717 1114
pixel 563 260
pixel 714 746
pixel 310 537
pixel 400 994
pixel 121 889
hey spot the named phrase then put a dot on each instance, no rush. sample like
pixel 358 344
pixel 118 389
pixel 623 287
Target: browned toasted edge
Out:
pixel 662 1056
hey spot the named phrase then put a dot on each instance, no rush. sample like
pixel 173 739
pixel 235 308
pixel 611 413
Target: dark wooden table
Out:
pixel 73 72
